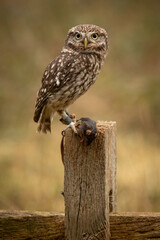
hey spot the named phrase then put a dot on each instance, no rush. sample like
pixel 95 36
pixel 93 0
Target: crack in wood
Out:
pixel 79 206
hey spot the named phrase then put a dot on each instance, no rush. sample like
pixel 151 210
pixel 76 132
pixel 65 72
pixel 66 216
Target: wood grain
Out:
pixel 22 225
pixel 135 226
pixel 112 161
pixel 88 183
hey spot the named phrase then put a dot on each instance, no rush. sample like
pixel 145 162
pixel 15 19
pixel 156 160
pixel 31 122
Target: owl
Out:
pixel 70 74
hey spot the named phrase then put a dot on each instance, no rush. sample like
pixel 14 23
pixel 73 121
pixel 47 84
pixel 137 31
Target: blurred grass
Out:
pixel 127 91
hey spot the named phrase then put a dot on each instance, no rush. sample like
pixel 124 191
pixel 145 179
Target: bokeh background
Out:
pixel 32 33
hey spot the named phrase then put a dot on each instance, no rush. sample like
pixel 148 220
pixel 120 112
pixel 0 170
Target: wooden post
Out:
pixel 89 184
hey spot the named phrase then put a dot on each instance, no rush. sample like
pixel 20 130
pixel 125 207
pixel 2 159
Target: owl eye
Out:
pixel 78 36
pixel 94 36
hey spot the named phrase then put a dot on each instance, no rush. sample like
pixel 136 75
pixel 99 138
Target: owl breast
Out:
pixel 76 80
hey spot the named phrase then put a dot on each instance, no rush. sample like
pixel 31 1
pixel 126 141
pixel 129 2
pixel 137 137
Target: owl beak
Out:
pixel 85 42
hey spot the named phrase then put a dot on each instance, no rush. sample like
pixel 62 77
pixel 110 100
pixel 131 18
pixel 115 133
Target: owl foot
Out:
pixel 85 129
pixel 72 126
pixel 67 118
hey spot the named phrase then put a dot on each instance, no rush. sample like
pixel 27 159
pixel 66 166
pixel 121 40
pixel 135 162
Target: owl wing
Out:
pixel 54 77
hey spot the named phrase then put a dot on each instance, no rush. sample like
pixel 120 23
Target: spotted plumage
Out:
pixel 70 74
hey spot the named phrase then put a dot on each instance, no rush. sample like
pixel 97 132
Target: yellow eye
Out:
pixel 78 36
pixel 94 36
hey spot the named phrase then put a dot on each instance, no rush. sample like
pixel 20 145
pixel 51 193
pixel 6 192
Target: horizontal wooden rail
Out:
pixel 49 226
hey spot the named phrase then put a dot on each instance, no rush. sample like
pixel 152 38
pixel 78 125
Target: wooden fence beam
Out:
pixel 135 226
pixel 22 225
pixel 89 184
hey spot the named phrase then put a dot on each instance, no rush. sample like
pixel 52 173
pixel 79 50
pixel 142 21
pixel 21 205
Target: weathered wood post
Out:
pixel 90 184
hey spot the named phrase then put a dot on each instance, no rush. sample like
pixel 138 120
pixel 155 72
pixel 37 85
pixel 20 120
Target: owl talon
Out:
pixel 72 126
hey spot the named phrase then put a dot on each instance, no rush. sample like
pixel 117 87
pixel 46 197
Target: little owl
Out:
pixel 70 74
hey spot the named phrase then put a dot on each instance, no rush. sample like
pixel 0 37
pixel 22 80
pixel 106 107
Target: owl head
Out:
pixel 87 38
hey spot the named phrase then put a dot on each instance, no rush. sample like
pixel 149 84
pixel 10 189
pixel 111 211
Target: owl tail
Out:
pixel 45 120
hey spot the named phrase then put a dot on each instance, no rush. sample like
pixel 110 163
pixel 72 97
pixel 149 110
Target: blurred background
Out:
pixel 127 91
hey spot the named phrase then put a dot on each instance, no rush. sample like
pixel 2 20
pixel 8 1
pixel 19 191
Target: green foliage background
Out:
pixel 32 33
